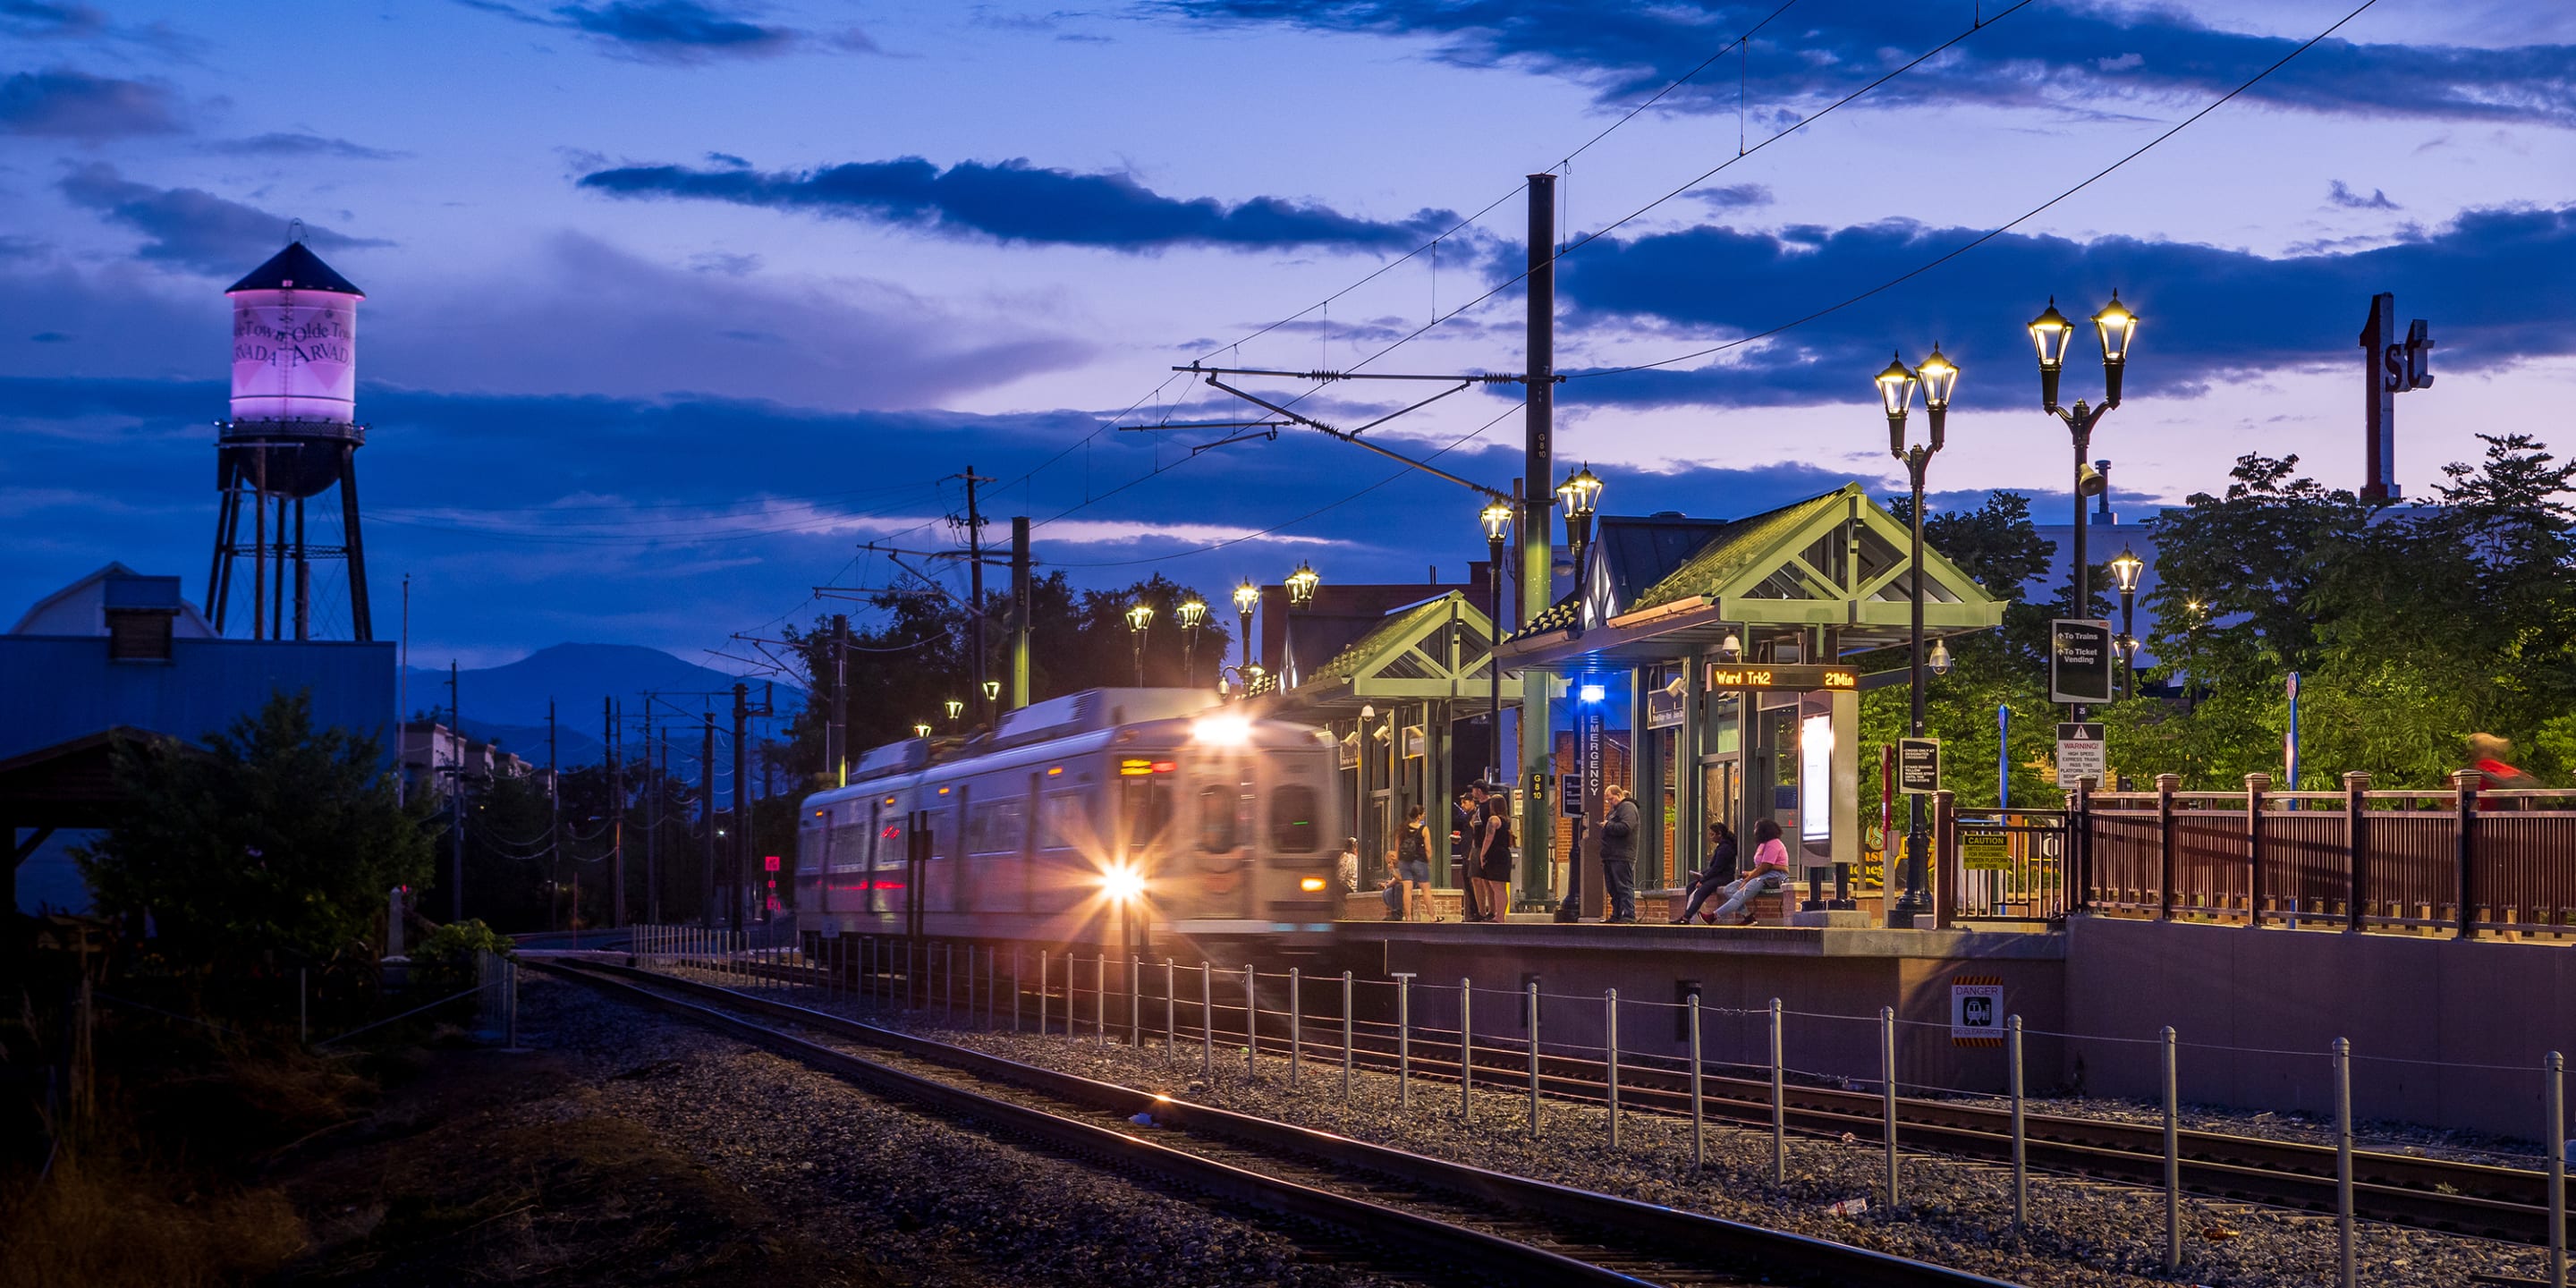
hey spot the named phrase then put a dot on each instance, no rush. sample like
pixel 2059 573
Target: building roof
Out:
pixel 81 607
pixel 295 268
pixel 1628 554
pixel 1435 649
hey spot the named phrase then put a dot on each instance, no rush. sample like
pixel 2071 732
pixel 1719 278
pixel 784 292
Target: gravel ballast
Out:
pixel 1954 1212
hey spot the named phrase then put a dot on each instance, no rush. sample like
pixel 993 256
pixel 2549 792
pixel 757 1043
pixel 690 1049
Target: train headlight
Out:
pixel 1122 884
pixel 1311 885
pixel 1221 731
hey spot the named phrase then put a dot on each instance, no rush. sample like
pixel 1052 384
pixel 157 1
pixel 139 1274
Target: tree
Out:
pixel 277 842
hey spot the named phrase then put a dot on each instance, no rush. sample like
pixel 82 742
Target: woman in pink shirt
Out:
pixel 1770 872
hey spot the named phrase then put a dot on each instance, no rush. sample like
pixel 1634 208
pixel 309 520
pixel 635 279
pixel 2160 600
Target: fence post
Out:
pixel 2255 786
pixel 2173 1154
pixel 1533 1059
pixel 1403 1041
pixel 2465 784
pixel 1610 1057
pixel 948 985
pixel 1779 1106
pixel 2020 1137
pixel 2079 822
pixel 1016 990
pixel 1045 970
pixel 2553 1114
pixel 1207 1022
pixel 1887 1096
pixel 1296 1025
pixel 1346 1037
pixel 2356 839
pixel 1135 1000
pixel 1251 1024
pixel 1466 1049
pixel 2343 1160
pixel 1699 1141
pixel 1171 1013
pixel 2166 786
pixel 1099 999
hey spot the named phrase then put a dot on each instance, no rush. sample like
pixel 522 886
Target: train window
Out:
pixel 1293 825
pixel 1144 809
pixel 1062 822
pixel 1217 831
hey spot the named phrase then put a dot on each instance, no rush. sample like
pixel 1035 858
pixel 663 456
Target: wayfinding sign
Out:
pixel 2081 753
pixel 2080 660
pixel 1918 766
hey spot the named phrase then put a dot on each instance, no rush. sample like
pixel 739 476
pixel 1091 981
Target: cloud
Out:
pixel 301 143
pixel 1016 202
pixel 2055 56
pixel 1734 196
pixel 42 20
pixel 67 104
pixel 191 227
pixel 663 31
pixel 2345 197
pixel 2210 313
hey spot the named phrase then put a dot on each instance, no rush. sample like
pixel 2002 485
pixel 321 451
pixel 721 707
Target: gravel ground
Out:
pixel 934 1204
pixel 1955 1213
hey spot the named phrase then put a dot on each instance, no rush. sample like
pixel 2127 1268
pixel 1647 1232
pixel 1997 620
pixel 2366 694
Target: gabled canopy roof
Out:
pixel 1835 560
pixel 1439 648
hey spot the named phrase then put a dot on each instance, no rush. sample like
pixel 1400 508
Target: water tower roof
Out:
pixel 295 268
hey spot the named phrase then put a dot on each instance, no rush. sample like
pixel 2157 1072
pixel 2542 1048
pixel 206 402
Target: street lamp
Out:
pixel 1139 618
pixel 1579 495
pixel 1190 613
pixel 1938 377
pixel 921 731
pixel 2125 570
pixel 1301 592
pixel 1497 520
pixel 992 690
pixel 955 708
pixel 2050 334
pixel 1246 598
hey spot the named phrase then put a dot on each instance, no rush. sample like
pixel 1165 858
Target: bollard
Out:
pixel 1135 1000
pixel 1251 1024
pixel 1887 1096
pixel 2343 1159
pixel 1533 1059
pixel 1610 1057
pixel 1346 1038
pixel 1044 972
pixel 1403 1041
pixel 1171 1024
pixel 1699 1119
pixel 2020 1136
pixel 1779 1106
pixel 1296 1025
pixel 2553 1113
pixel 1466 1051
pixel 1099 999
pixel 1207 1022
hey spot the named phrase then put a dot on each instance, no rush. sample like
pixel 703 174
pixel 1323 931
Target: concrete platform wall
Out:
pixel 2423 1016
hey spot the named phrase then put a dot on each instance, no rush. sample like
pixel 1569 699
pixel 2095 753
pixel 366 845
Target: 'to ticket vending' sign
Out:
pixel 1976 1010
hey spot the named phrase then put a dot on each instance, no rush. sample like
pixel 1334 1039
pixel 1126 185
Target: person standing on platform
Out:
pixel 1619 824
pixel 1494 862
pixel 1464 829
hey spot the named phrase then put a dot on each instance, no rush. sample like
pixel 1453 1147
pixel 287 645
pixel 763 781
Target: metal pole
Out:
pixel 1533 1059
pixel 1100 999
pixel 1887 1096
pixel 1296 1026
pixel 2343 1161
pixel 1207 1023
pixel 1610 1054
pixel 1466 1050
pixel 1699 1120
pixel 1403 1041
pixel 948 985
pixel 1346 1037
pixel 2554 1116
pixel 1016 990
pixel 1135 1000
pixel 2020 1138
pixel 1043 973
pixel 1171 1007
pixel 1779 1106
pixel 1251 1025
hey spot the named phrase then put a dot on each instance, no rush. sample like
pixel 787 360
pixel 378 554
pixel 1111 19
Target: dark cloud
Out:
pixel 301 143
pixel 1017 202
pixel 191 227
pixel 2050 55
pixel 2345 197
pixel 1734 196
pixel 68 104
pixel 2497 285
pixel 42 20
pixel 662 31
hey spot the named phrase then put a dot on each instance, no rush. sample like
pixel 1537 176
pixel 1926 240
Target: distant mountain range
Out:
pixel 507 704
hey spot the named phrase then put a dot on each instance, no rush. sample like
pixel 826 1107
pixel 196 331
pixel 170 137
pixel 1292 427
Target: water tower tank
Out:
pixel 295 373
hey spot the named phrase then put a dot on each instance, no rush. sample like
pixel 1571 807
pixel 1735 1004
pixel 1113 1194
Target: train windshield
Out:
pixel 1144 809
pixel 1218 833
pixel 1293 825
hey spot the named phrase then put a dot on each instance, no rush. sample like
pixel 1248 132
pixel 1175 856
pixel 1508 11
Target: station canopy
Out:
pixel 1438 650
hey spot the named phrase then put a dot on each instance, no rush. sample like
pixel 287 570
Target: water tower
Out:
pixel 292 435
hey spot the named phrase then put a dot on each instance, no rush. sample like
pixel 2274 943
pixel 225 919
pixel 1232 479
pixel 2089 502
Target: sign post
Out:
pixel 1918 766
pixel 2081 753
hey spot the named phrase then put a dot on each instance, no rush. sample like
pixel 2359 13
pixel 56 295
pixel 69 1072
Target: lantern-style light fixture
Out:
pixel 921 731
pixel 1896 395
pixel 2117 326
pixel 2126 568
pixel 1580 494
pixel 956 708
pixel 1940 378
pixel 1301 585
pixel 1139 617
pixel 2049 334
pixel 1190 613
pixel 1247 597
pixel 1497 518
pixel 992 690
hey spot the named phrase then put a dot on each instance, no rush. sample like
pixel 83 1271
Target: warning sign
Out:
pixel 1976 1010
pixel 1984 850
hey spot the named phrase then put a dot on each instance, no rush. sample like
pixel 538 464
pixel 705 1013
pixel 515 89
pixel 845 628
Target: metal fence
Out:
pixel 2000 865
pixel 2460 860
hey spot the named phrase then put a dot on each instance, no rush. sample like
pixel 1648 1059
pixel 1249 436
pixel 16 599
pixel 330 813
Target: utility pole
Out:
pixel 1538 555
pixel 741 797
pixel 455 802
pixel 836 735
pixel 554 816
pixel 975 590
pixel 707 816
pixel 616 815
pixel 1019 611
pixel 653 817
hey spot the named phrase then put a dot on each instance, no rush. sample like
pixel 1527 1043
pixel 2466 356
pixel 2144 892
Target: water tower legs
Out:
pixel 361 622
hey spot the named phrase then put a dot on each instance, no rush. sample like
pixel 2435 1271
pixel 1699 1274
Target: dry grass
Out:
pixel 100 1226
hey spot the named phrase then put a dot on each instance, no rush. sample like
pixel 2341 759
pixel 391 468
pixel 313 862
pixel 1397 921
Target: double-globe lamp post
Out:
pixel 1301 592
pixel 1246 598
pixel 1140 618
pixel 1497 520
pixel 1579 495
pixel 2050 333
pixel 1937 377
pixel 1191 613
pixel 2126 569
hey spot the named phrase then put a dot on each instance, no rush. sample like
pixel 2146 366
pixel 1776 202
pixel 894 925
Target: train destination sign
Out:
pixel 1785 675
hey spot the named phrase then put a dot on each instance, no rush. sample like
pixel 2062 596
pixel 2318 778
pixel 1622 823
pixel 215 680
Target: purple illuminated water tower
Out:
pixel 292 435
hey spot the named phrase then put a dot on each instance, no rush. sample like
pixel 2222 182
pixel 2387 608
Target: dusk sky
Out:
pixel 673 302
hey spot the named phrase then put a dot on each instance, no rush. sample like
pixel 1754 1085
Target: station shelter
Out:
pixel 1408 703
pixel 1708 663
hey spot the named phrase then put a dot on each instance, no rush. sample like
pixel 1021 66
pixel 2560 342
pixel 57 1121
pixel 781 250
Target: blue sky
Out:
pixel 671 302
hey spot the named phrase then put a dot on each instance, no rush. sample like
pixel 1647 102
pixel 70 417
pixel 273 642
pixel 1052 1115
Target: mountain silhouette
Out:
pixel 508 702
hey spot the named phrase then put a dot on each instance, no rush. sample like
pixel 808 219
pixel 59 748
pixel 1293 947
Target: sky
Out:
pixel 671 304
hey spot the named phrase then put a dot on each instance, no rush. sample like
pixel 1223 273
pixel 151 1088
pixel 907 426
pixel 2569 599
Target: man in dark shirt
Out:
pixel 1619 824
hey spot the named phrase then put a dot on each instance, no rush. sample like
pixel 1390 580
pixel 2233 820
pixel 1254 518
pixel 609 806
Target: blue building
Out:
pixel 121 653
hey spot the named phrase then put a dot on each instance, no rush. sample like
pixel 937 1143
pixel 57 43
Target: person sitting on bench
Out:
pixel 1770 873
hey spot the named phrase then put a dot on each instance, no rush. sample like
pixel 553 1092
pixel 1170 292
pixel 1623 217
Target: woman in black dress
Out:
pixel 1494 865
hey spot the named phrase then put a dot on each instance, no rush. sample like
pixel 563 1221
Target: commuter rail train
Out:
pixel 1106 820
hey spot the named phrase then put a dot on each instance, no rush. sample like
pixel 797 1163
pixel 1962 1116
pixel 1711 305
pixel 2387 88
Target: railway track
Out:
pixel 2478 1200
pixel 1408 1210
